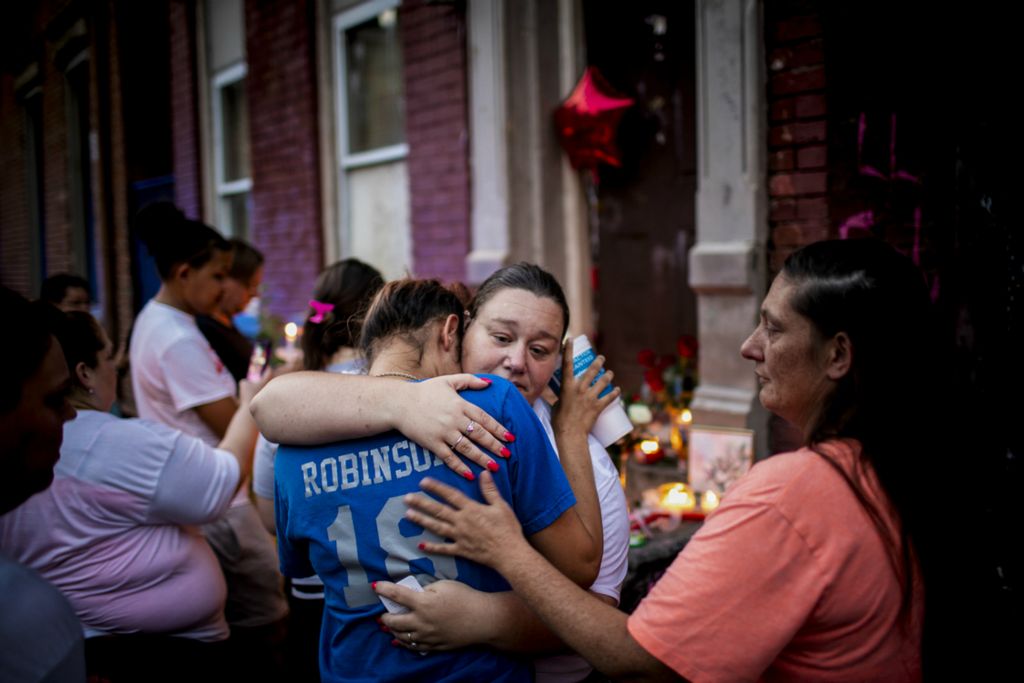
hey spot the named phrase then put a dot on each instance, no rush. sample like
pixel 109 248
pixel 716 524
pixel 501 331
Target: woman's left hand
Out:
pixel 486 533
pixel 579 400
pixel 446 615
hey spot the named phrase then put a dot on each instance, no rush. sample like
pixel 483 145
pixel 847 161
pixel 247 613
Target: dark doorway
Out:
pixel 645 225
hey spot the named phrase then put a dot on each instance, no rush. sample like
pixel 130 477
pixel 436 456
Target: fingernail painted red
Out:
pixel 505 452
pixel 385 629
pixel 422 546
pixel 492 466
pixel 373 585
pixel 395 642
pixel 486 380
pixel 509 436
pixel 468 475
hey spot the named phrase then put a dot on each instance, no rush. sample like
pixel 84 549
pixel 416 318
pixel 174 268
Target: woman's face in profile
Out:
pixel 31 434
pixel 238 293
pixel 515 335
pixel 789 358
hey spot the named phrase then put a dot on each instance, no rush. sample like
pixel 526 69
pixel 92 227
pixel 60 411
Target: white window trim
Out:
pixel 381 155
pixel 343 21
pixel 224 189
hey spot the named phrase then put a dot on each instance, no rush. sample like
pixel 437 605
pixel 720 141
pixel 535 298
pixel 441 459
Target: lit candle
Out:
pixel 686 417
pixel 709 501
pixel 291 331
pixel 676 498
pixel 649 446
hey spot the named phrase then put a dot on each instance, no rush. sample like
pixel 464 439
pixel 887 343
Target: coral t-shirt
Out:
pixel 788 580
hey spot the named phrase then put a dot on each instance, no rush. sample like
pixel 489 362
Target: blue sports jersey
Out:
pixel 340 515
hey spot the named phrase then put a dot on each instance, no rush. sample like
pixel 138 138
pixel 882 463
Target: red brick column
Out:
pixel 437 129
pixel 797 172
pixel 56 189
pixel 187 164
pixel 281 85
pixel 14 209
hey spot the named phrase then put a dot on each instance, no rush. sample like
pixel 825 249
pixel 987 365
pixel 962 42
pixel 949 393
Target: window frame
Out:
pixel 224 190
pixel 348 161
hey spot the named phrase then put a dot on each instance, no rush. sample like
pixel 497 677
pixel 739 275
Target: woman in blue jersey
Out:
pixel 340 507
pixel 514 325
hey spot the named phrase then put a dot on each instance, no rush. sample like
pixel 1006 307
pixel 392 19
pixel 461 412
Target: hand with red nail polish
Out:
pixel 457 431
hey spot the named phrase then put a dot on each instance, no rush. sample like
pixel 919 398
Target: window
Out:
pixel 373 177
pixel 229 111
pixel 231 151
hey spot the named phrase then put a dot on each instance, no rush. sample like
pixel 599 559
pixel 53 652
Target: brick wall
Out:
pixel 188 191
pixel 286 217
pixel 797 159
pixel 14 209
pixel 437 128
pixel 56 189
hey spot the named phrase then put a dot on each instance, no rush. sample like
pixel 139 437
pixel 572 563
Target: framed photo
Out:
pixel 718 457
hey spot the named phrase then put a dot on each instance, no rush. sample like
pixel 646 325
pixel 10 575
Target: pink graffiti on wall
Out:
pixel 865 221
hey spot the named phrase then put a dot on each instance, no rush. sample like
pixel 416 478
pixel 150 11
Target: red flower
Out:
pixel 687 346
pixel 653 379
pixel 645 358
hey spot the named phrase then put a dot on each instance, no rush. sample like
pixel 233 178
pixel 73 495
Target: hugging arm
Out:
pixel 309 408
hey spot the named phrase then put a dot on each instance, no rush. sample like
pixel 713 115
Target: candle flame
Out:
pixel 686 417
pixel 291 330
pixel 649 446
pixel 709 501
pixel 678 498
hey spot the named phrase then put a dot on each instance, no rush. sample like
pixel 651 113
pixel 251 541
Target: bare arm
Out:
pixel 449 615
pixel 489 533
pixel 240 434
pixel 320 407
pixel 265 509
pixel 570 546
pixel 218 415
pixel 573 417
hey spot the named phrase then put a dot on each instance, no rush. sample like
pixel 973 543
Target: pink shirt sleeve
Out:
pixel 734 597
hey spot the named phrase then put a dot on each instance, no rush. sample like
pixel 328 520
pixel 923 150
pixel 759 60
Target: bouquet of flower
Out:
pixel 669 379
pixel 658 409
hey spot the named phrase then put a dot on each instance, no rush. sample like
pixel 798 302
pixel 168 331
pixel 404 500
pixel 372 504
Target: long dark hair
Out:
pixel 888 399
pixel 404 309
pixel 526 276
pixel 173 239
pixel 348 285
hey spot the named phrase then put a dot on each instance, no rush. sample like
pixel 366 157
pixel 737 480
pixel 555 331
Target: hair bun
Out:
pixel 157 221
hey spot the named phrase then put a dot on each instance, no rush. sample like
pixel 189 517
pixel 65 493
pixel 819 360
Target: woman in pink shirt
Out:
pixel 811 568
pixel 116 532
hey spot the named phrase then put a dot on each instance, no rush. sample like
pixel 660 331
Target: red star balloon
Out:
pixel 586 122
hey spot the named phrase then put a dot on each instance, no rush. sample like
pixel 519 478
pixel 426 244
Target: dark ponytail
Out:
pixel 348 285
